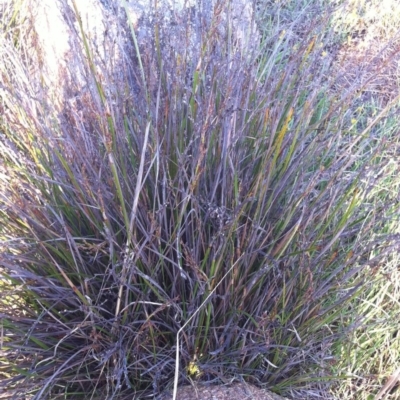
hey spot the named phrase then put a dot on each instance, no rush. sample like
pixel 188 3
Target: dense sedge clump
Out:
pixel 220 193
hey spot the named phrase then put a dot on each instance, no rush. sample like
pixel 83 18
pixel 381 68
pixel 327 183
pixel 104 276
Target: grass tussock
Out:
pixel 230 197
